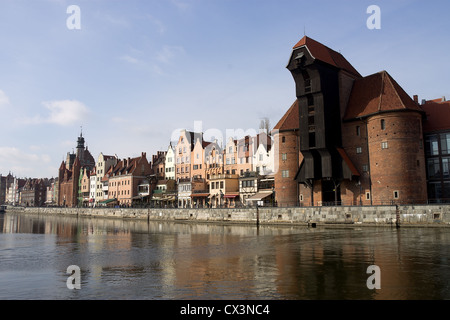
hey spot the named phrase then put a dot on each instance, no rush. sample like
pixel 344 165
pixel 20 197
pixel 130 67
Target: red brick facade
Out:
pixel 378 157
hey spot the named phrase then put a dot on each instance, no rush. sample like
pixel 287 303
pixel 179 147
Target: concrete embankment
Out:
pixel 417 215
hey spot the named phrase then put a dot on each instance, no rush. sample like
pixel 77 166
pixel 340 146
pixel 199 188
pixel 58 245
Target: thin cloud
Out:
pixel 12 154
pixel 62 112
pixel 167 53
pixel 129 59
pixel 4 100
pixel 160 27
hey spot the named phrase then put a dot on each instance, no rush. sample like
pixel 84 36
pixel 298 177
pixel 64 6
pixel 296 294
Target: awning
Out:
pixel 231 195
pixel 199 195
pixel 107 201
pixel 259 196
pixel 139 197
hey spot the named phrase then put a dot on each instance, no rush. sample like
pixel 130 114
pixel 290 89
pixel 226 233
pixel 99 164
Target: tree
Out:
pixel 265 125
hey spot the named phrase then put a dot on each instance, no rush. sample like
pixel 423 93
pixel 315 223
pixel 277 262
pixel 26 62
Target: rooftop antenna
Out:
pixel 304 30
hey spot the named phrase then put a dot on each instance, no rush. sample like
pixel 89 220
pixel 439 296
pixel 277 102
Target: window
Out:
pixel 396 193
pixel 301 197
pixel 283 139
pixel 383 124
pixel 384 145
pixel 358 150
pixel 432 146
pixel 307 81
pixel 284 156
pixel 358 131
pixel 445 167
pixel 285 173
pixel 445 143
pixel 367 195
pixel 365 168
pixel 261 157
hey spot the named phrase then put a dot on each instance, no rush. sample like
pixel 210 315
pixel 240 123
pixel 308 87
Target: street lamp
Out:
pixel 360 192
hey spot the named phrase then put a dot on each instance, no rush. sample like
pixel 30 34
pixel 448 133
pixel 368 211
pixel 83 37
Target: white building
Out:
pixel 170 163
pixel 92 188
pixel 263 159
pixel 103 164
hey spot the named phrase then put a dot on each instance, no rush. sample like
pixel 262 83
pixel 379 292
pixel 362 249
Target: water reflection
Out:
pixel 125 259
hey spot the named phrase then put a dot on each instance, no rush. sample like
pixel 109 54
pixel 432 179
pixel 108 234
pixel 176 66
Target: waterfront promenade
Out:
pixel 396 216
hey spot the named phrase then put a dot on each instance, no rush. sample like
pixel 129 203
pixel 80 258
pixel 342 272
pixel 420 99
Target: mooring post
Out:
pixel 397 216
pixel 257 215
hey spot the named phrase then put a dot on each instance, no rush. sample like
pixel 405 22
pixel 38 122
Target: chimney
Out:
pixel 416 99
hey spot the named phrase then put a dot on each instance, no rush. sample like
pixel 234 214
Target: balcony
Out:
pixel 224 176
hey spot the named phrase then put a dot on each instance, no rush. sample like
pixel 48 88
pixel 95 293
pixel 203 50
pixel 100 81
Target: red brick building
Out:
pixel 437 148
pixel 69 174
pixel 349 139
pixel 287 157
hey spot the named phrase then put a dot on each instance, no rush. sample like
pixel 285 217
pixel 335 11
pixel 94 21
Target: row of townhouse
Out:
pixel 27 192
pixel 209 175
pixel 191 173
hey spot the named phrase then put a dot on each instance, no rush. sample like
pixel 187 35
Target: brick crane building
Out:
pixel 350 139
pixel 69 174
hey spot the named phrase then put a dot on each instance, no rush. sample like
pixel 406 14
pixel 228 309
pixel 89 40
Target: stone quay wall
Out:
pixel 410 215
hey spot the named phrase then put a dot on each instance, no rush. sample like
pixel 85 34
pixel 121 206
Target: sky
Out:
pixel 131 73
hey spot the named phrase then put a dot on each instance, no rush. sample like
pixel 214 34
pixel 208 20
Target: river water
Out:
pixel 122 259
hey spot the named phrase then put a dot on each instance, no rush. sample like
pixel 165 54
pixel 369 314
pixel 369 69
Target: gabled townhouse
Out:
pixel 169 163
pixel 159 164
pixel 125 177
pixel 214 160
pixel 92 187
pixel 104 163
pixel 263 159
pixel 50 194
pixel 231 166
pixel 84 188
pixel 198 166
pixel 33 193
pixel 245 155
pixel 183 152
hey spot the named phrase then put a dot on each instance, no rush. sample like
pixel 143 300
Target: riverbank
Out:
pixel 417 215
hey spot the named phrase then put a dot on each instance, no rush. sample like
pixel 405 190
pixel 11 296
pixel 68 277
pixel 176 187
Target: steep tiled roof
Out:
pixel 327 55
pixel 290 120
pixel 437 115
pixel 377 93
